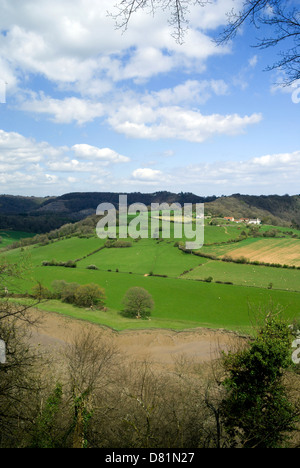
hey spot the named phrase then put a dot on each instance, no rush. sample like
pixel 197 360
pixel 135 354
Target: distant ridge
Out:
pixel 36 214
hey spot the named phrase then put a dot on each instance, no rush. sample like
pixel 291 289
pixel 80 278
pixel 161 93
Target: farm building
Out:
pixel 243 220
pixel 254 221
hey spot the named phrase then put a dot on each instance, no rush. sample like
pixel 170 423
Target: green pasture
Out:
pixel 9 237
pixel 247 275
pixel 216 234
pixel 61 251
pixel 179 303
pixel 144 257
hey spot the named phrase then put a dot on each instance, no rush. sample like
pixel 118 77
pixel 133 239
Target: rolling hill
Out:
pixel 40 215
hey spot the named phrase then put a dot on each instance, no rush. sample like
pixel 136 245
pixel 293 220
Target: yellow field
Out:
pixel 283 251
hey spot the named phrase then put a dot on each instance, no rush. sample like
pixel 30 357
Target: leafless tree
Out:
pixel 280 22
pixel 90 363
pixel 19 382
pixel 178 12
pixel 277 20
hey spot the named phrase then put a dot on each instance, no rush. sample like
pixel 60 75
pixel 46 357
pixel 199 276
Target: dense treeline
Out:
pixel 32 224
pixel 38 215
pixel 85 228
pixel 272 209
pixel 10 204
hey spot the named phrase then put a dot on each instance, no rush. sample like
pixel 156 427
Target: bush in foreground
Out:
pixel 257 411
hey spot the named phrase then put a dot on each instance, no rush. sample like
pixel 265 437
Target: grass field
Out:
pixel 144 257
pixel 9 237
pixel 180 301
pixel 247 275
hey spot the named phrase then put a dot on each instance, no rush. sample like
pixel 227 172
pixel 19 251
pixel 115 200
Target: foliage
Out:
pixel 41 292
pixel 90 295
pixel 68 293
pixel 138 303
pixel 44 433
pixel 19 386
pixel 256 411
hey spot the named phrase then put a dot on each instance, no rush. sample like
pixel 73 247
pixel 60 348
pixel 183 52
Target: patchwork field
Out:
pixel 177 280
pixel 247 275
pixel 283 251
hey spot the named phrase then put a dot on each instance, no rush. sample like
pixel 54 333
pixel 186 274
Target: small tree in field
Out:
pixel 90 295
pixel 138 303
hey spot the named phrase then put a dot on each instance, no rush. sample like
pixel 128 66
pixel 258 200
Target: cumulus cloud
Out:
pixel 152 115
pixel 27 164
pixel 146 174
pixel 85 151
pixel 64 111
pixel 142 121
pixel 17 150
pixel 75 46
pixel 265 174
pixel 189 92
pixel 64 43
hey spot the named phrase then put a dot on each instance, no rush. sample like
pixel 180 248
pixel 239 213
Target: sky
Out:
pixel 88 107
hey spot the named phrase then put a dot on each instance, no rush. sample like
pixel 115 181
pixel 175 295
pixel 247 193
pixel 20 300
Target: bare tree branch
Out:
pixel 178 16
pixel 280 18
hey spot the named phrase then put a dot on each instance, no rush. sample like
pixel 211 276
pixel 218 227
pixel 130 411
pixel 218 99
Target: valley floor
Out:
pixel 163 348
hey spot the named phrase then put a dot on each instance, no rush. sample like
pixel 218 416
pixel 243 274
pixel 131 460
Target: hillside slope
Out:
pixel 273 209
pixel 40 215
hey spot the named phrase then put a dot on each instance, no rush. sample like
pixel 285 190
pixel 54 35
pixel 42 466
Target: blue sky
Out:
pixel 89 108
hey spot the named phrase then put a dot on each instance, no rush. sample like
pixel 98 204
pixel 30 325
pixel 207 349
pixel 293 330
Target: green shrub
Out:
pixel 90 295
pixel 92 267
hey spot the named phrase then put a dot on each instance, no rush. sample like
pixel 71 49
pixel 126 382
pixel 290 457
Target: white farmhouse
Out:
pixel 254 221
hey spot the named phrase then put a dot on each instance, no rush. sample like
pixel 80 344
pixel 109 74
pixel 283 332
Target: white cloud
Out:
pixel 213 14
pixel 146 174
pixel 151 115
pixel 263 174
pixel 93 153
pixel 75 45
pixel 64 111
pixel 17 150
pixel 138 121
pixel 28 165
pixel 76 42
pixel 253 61
pixel 259 175
pixel 191 92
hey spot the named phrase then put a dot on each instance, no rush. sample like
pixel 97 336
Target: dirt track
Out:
pixel 161 347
